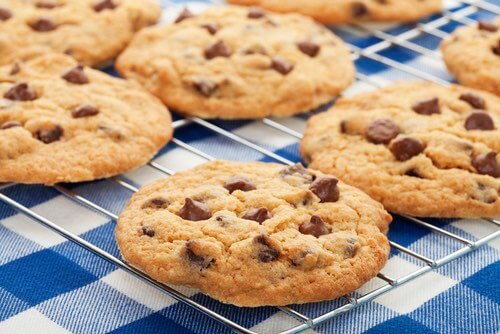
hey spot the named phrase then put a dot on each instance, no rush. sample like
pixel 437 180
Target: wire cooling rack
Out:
pixel 408 39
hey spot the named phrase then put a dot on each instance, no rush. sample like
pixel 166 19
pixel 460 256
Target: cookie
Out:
pixel 419 148
pixel 349 11
pixel 92 31
pixel 255 233
pixel 238 62
pixel 62 122
pixel 472 54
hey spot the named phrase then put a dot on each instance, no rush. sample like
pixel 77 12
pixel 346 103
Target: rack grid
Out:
pixel 432 27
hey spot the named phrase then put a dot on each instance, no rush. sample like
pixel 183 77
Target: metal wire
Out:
pixel 387 41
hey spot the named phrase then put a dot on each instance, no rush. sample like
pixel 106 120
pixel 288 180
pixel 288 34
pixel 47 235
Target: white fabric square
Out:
pixel 31 322
pixel 479 228
pixel 276 323
pixel 264 135
pixel 179 159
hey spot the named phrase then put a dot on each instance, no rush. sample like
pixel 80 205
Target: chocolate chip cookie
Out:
pixel 63 122
pixel 254 234
pixel 92 31
pixel 238 62
pixel 472 54
pixel 419 148
pixel 348 11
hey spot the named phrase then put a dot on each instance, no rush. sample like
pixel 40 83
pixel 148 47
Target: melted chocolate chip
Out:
pixel 406 148
pixel 255 13
pixel 309 48
pixel 46 5
pixel 326 189
pixel 381 131
pixel 43 25
pixel 239 183
pixel 5 14
pixel 259 215
pixel 496 48
pixel 487 26
pixel 48 136
pixel 298 170
pixel 217 49
pixel 269 253
pixel 487 164
pixel 316 226
pixel 427 107
pixel 281 65
pixel 194 211
pixel 146 230
pixel 413 172
pixel 15 69
pixel 185 14
pixel 75 75
pixel 191 250
pixel 104 4
pixel 10 124
pixel 350 249
pixel 358 9
pixel 205 87
pixel 474 100
pixel 155 203
pixel 479 120
pixel 21 92
pixel 84 110
pixel 212 28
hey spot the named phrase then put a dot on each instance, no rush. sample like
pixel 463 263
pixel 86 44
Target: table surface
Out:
pixel 50 285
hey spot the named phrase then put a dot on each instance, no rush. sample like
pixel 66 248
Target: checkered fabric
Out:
pixel 50 285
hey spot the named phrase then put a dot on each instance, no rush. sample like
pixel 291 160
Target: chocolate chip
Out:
pixel 104 4
pixel 212 28
pixel 217 49
pixel 146 230
pixel 21 92
pixel 255 13
pixel 281 65
pixel 5 14
pixel 413 172
pixel 15 69
pixel 194 210
pixel 326 189
pixel 309 48
pixel 75 75
pixel 427 107
pixel 350 249
pixel 202 261
pixel 185 14
pixel 487 164
pixel 43 25
pixel 259 215
pixel 358 9
pixel 10 124
pixel 46 5
pixel 381 131
pixel 269 253
pixel 155 203
pixel 406 148
pixel 84 110
pixel 496 48
pixel 48 136
pixel 316 226
pixel 488 26
pixel 298 170
pixel 205 87
pixel 473 100
pixel 479 120
pixel 239 183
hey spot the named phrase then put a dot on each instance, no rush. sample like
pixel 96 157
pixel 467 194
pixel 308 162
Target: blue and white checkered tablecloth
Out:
pixel 50 285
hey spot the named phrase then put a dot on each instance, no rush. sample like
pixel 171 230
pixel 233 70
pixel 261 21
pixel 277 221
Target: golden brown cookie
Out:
pixel 92 31
pixel 419 148
pixel 61 122
pixel 254 234
pixel 235 62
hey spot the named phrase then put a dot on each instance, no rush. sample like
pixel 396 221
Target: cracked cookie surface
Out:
pixel 238 62
pixel 472 54
pixel 92 31
pixel 348 11
pixel 419 148
pixel 62 122
pixel 254 234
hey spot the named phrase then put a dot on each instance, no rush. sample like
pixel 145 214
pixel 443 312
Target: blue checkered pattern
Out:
pixel 50 285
